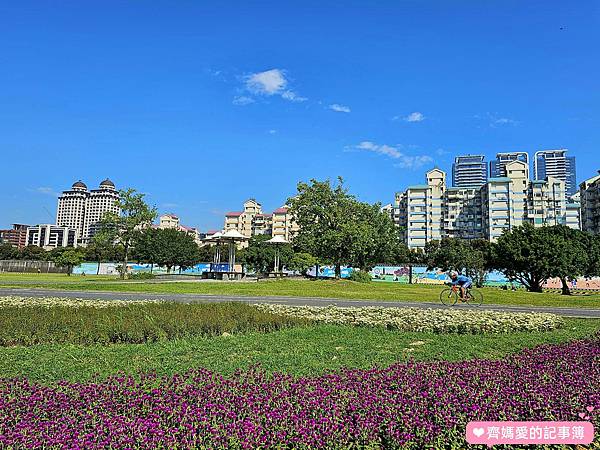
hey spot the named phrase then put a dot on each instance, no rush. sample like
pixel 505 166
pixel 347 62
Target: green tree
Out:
pixel 69 259
pixel 171 248
pixel 470 257
pixel 260 255
pixel 7 251
pixel 338 229
pixel 33 253
pixel 302 262
pixel 569 258
pixel 102 246
pixel 533 255
pixel 147 246
pixel 592 243
pixel 134 215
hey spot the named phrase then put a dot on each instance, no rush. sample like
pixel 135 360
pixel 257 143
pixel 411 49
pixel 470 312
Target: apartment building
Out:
pixel 433 211
pixel 283 224
pixel 49 236
pixel 556 164
pixel 82 210
pixel 462 214
pixel 497 166
pixel 250 221
pixel 469 171
pixel 171 221
pixel 420 210
pixel 590 204
pixel 16 236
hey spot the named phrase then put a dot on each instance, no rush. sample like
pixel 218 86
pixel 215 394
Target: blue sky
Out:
pixel 204 104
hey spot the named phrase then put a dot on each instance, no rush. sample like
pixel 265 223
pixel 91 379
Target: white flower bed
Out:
pixel 423 320
pixel 49 302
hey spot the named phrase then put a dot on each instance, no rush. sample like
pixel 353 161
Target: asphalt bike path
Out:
pixel 291 301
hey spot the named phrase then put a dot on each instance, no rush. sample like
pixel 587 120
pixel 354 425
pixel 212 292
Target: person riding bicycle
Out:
pixel 462 281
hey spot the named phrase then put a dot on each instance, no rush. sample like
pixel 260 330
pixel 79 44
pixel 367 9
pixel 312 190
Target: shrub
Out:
pixel 133 323
pixel 142 276
pixel 423 320
pixel 360 276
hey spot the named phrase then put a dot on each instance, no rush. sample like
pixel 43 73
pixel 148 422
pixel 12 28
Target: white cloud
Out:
pixel 272 131
pixel 413 162
pixel 387 150
pixel 339 108
pixel 242 100
pixel 504 121
pixel 415 117
pixel 271 82
pixel 495 120
pixel 293 97
pixel 394 152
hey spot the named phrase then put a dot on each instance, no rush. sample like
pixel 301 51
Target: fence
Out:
pixel 13 265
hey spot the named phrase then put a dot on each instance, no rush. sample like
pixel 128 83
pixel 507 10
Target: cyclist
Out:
pixel 462 281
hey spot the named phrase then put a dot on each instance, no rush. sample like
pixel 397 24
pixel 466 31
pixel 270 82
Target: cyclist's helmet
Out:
pixel 453 274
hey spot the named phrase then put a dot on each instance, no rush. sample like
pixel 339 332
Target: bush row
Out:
pixel 422 320
pixel 134 323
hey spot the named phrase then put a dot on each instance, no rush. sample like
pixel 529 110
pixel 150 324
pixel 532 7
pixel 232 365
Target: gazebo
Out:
pixel 215 239
pixel 231 237
pixel 277 241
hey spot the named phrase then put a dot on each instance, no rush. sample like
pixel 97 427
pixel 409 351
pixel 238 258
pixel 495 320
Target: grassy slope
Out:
pixel 299 351
pixel 294 288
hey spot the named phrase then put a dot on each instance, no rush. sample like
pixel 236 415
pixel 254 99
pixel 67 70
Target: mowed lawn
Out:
pixel 303 350
pixel 341 289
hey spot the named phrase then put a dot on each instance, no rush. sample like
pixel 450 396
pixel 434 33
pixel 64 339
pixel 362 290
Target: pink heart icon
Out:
pixel 582 415
pixel 590 408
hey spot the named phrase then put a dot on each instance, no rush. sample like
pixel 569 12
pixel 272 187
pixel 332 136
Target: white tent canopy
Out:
pixel 277 240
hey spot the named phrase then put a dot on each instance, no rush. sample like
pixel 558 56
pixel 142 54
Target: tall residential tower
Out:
pixel 556 163
pixel 497 166
pixel 469 171
pixel 82 210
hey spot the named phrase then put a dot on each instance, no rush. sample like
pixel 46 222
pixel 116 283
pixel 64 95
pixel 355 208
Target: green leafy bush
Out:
pixel 360 276
pixel 142 276
pixel 134 323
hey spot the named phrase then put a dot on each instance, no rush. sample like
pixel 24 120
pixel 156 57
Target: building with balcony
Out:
pixel 497 166
pixel 469 171
pixel 590 204
pixel 171 221
pixel 556 164
pixel 82 210
pixel 16 236
pixel 433 211
pixel 49 236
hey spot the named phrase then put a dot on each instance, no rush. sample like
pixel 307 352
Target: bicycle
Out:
pixel 450 296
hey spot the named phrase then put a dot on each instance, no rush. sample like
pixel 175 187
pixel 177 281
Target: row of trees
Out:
pixel 338 229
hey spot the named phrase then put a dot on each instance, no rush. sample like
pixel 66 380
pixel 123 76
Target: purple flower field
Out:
pixel 414 405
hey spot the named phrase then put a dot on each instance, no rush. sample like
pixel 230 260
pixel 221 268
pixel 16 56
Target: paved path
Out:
pixel 295 301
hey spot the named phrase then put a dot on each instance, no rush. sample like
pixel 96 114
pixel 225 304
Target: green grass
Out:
pixel 296 288
pixel 299 351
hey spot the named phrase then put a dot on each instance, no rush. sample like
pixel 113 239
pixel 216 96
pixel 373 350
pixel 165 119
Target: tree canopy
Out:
pixel 338 229
pixel 533 255
pixel 472 258
pixel 134 215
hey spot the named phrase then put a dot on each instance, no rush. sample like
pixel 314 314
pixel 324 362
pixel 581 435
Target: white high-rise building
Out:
pixel 433 211
pixel 82 210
